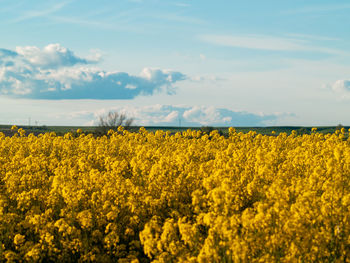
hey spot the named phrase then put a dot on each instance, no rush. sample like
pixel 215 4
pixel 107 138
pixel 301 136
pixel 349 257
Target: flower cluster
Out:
pixel 188 197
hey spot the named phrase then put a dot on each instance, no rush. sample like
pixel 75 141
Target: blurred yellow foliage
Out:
pixel 188 197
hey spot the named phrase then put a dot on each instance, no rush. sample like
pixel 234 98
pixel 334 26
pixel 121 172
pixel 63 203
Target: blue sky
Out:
pixel 227 63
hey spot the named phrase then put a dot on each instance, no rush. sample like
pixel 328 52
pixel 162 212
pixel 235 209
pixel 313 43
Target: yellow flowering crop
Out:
pixel 188 197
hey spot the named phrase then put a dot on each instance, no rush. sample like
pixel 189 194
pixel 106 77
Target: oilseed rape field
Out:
pixel 188 197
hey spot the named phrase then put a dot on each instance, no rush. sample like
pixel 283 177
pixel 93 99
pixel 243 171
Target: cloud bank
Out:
pixel 56 73
pixel 169 115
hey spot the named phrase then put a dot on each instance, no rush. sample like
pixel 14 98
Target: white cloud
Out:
pixel 341 88
pixel 56 73
pixel 128 86
pixel 51 56
pixel 172 117
pixel 204 115
pixel 158 75
pixel 209 77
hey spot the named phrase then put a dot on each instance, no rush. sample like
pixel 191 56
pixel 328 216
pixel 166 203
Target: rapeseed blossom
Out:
pixel 188 197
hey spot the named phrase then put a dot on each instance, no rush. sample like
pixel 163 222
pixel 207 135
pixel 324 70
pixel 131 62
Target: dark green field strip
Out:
pixel 60 130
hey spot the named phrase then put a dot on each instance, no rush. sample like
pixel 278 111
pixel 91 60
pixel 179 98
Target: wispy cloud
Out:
pixel 264 42
pixel 40 13
pixel 135 1
pixel 318 9
pixel 183 5
pixel 180 18
pixel 312 37
pixel 85 22
pixel 253 42
pixel 56 73
pixel 6 8
pixel 103 18
pixel 116 23
pixel 135 19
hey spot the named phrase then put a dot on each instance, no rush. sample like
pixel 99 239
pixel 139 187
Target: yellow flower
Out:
pixel 21 131
pixel 18 239
pixel 174 197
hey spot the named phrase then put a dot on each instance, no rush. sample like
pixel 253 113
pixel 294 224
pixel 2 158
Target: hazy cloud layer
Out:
pixel 168 115
pixel 55 72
